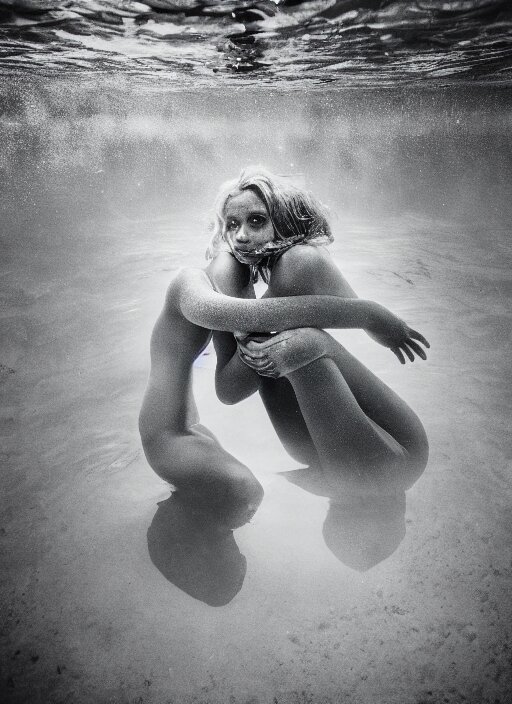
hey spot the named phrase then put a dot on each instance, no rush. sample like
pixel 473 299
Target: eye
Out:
pixel 231 225
pixel 257 220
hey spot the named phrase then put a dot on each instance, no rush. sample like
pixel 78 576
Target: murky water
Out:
pixel 176 44
pixel 104 195
pixel 102 201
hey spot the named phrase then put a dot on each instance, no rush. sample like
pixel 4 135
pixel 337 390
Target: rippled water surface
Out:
pixel 286 43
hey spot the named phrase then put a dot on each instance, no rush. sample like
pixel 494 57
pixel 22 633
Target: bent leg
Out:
pixel 337 411
pixel 286 416
pixel 363 432
pixel 278 396
pixel 390 415
pixel 205 474
pixel 337 408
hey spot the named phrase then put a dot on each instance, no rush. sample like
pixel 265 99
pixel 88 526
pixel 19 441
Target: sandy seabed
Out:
pixel 111 592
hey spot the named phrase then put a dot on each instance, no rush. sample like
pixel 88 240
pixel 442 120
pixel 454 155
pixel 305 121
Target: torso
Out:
pixel 179 342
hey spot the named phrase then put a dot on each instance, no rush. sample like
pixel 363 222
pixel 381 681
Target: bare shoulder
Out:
pixel 228 275
pixel 187 276
pixel 186 279
pixel 305 258
pixel 306 269
pixel 185 287
pixel 305 253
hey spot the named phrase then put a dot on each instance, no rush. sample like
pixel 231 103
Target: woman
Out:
pixel 327 408
pixel 177 446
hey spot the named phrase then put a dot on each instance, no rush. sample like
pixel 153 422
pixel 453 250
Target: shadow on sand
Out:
pixel 361 532
pixel 195 553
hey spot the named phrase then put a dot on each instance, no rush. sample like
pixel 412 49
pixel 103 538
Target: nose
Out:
pixel 241 235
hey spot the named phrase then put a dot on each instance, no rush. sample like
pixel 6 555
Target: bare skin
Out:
pixel 177 447
pixel 327 408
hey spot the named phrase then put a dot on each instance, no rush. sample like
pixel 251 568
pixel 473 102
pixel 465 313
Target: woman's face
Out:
pixel 248 226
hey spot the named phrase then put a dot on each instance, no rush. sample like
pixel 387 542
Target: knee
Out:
pixel 152 446
pixel 246 489
pixel 418 459
pixel 303 451
pixel 244 495
pixel 417 455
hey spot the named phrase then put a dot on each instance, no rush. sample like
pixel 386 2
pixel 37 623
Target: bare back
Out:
pixel 175 344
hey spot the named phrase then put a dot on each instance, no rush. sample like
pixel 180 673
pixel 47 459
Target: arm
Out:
pixel 193 294
pixel 317 274
pixel 234 380
pixel 286 352
pixel 310 270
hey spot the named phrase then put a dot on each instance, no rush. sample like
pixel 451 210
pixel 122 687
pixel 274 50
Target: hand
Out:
pixel 244 337
pixel 278 355
pixel 391 331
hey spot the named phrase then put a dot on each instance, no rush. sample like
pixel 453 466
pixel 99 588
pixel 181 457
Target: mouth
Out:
pixel 247 252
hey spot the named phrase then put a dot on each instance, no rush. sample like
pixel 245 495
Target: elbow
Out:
pixel 227 396
pixel 229 400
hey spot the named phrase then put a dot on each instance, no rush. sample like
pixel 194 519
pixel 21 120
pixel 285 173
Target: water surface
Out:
pixel 177 44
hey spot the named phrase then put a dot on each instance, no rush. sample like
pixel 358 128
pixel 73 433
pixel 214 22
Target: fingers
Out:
pixel 419 351
pixel 262 367
pixel 257 363
pixel 268 371
pixel 257 367
pixel 418 336
pixel 398 354
pixel 252 350
pixel 408 348
pixel 408 352
pixel 264 343
pixel 259 348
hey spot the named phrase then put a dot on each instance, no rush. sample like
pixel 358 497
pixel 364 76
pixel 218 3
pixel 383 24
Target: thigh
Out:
pixel 200 469
pixel 384 408
pixel 307 270
pixel 196 459
pixel 285 415
pixel 383 414
pixel 357 454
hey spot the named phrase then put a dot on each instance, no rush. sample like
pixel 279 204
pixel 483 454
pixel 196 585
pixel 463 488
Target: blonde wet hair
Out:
pixel 296 215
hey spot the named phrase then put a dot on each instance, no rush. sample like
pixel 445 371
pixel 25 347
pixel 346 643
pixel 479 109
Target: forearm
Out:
pixel 235 381
pixel 287 352
pixel 303 311
pixel 218 312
